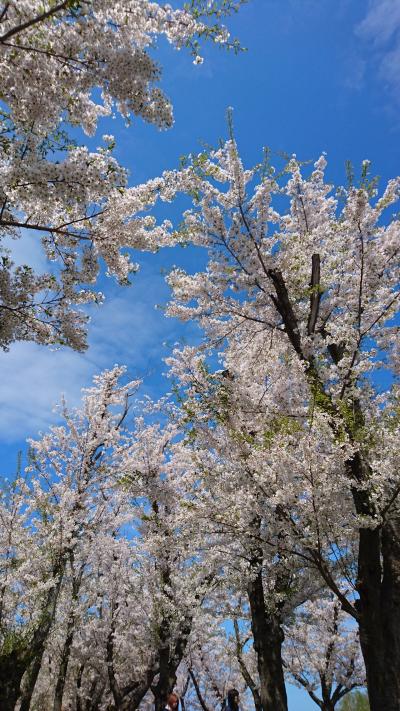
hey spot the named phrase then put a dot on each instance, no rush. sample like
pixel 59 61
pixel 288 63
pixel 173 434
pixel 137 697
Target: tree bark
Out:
pixel 129 697
pixel 78 698
pixel 390 605
pixel 69 638
pixel 96 692
pixel 378 580
pixel 12 667
pixel 62 672
pixel 169 660
pixel 30 679
pixel 268 639
pixel 26 658
pixel 379 611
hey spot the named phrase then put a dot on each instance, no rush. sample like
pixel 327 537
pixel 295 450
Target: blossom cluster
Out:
pixel 64 65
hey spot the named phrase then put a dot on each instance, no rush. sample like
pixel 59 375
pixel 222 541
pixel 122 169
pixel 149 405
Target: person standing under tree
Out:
pixel 172 702
pixel 231 703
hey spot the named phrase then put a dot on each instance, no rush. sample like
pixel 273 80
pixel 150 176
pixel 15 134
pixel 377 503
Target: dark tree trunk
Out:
pixel 369 608
pixel 37 645
pixel 69 638
pixel 378 585
pixel 327 703
pixel 378 582
pixel 379 610
pixel 12 668
pixel 30 680
pixel 167 677
pixel 78 698
pixel 129 697
pixel 27 657
pixel 133 700
pixel 390 605
pixel 169 661
pixel 268 639
pixel 96 692
pixel 164 686
pixel 62 672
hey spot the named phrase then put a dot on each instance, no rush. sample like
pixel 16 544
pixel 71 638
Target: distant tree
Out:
pixel 357 701
pixel 322 653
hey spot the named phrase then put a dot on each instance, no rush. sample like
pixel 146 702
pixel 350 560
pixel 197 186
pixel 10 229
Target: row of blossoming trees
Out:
pixel 132 563
pixel 246 530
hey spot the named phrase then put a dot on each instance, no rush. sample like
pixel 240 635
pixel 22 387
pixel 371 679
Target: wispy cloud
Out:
pixel 355 71
pixel 380 28
pixel 126 329
pixel 381 22
pixel 33 379
pixel 27 249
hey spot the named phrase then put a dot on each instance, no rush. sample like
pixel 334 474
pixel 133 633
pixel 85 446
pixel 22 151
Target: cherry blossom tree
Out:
pixel 322 653
pixel 56 510
pixel 152 466
pixel 101 581
pixel 272 480
pixel 304 299
pixel 66 65
pixel 211 668
pixel 233 508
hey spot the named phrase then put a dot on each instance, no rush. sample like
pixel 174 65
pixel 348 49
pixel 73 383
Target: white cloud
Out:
pixel 381 29
pixel 32 380
pixel 355 71
pixel 27 249
pixel 126 329
pixel 381 22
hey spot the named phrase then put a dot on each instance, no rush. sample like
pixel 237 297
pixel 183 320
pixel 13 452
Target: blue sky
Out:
pixel 319 75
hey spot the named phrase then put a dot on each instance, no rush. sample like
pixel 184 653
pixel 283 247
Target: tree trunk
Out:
pixel 132 701
pixel 168 665
pixel 78 698
pixel 96 692
pixel 129 697
pixel 390 604
pixel 327 703
pixel 369 608
pixel 169 657
pixel 378 580
pixel 26 658
pixel 12 668
pixel 378 585
pixel 379 609
pixel 268 639
pixel 37 646
pixel 62 672
pixel 166 678
pixel 30 680
pixel 244 671
pixel 66 651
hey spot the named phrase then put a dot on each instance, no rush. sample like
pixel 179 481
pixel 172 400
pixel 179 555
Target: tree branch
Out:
pixel 315 296
pixel 284 307
pixel 34 20
pixel 198 692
